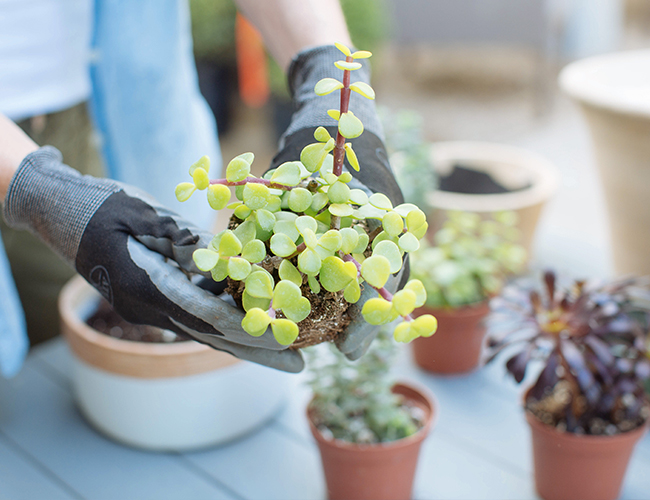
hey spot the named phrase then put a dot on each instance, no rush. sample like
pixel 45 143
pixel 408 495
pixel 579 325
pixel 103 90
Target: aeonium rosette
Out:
pixel 327 235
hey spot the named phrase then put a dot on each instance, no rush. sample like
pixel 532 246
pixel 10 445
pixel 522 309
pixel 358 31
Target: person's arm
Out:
pixel 289 26
pixel 14 146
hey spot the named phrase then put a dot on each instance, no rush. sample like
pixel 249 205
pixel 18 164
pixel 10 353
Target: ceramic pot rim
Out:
pixel 543 175
pixel 127 357
pixel 477 309
pixel 581 81
pixel 430 402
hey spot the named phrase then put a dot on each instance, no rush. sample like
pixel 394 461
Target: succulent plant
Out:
pixel 353 402
pixel 590 342
pixel 304 213
pixel 471 260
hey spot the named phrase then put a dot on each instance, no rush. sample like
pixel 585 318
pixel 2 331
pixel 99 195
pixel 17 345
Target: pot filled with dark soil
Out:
pixel 150 389
pixel 485 178
pixel 588 465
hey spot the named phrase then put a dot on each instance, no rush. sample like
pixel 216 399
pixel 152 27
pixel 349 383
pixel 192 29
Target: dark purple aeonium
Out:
pixel 591 343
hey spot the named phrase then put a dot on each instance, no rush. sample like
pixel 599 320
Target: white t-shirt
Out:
pixel 44 55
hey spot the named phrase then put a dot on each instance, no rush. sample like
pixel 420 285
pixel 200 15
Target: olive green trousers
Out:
pixel 38 272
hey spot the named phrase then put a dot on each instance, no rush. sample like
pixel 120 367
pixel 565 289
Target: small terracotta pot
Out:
pixel 456 346
pixel 570 466
pixel 374 471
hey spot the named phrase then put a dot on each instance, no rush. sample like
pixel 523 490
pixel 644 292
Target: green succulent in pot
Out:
pixel 469 264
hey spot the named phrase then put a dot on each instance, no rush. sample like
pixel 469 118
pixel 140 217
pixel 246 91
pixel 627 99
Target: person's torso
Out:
pixel 44 55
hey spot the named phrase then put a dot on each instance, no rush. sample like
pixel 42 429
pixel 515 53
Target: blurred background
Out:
pixel 468 70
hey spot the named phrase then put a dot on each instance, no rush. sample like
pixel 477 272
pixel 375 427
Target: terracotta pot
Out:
pixel 613 91
pixel 456 346
pixel 375 471
pixel 570 466
pixel 163 396
pixel 532 179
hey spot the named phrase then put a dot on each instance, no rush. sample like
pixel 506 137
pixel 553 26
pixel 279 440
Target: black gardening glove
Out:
pixel 375 175
pixel 137 253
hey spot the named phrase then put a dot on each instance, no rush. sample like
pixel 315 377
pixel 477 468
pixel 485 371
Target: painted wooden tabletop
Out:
pixel 479 448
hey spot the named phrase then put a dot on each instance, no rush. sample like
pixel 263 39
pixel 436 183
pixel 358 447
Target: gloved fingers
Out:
pixel 288 360
pixel 201 308
pixel 367 339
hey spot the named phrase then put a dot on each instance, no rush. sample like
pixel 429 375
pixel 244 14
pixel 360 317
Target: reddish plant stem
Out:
pixel 339 148
pixel 271 313
pixel 252 180
pixel 299 249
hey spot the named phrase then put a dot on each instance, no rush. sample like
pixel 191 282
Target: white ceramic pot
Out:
pixel 614 94
pixel 171 396
pixel 533 179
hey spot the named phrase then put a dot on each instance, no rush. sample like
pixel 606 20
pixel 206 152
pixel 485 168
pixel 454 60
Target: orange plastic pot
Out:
pixel 374 471
pixel 570 466
pixel 456 346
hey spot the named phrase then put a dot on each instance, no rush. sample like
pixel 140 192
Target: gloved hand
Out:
pixel 375 175
pixel 135 252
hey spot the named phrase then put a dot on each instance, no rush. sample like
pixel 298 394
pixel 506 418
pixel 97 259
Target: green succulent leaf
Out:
pixel 249 302
pixel 287 174
pixel 418 289
pixel 425 325
pixel 376 270
pixel 237 170
pixel 327 86
pixel 405 208
pixel 282 245
pixel 259 284
pixel 318 201
pixel 256 196
pixel 380 200
pixel 322 135
pixel 314 285
pixel 378 311
pixel 403 332
pixel 313 156
pixel 349 66
pixel 334 113
pixel 368 211
pixel 265 219
pixel 343 48
pixel 254 251
pixel 391 252
pixel 415 219
pixel 408 242
pixel 352 292
pixel 298 310
pixel 420 231
pixel 350 126
pixel 336 274
pixel 285 293
pixel 305 222
pixel 256 322
pixel 364 89
pixel 201 179
pixel 338 192
pixel 238 268
pixel 229 245
pixel 331 240
pixel 309 262
pixel 242 212
pixel 220 271
pixel 289 272
pixel 288 228
pixel 245 232
pixel 184 191
pixel 218 196
pixel 393 223
pixel 404 302
pixel 340 209
pixel 299 199
pixel 285 331
pixel 205 259
pixel 362 244
pixel 349 240
pixel 203 162
pixel 351 156
pixel 362 54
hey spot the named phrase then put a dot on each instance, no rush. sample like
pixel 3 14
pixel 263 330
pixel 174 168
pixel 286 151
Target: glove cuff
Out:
pixel 54 201
pixel 306 69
